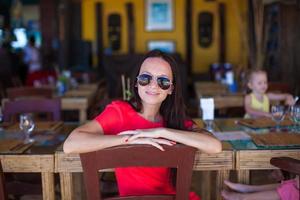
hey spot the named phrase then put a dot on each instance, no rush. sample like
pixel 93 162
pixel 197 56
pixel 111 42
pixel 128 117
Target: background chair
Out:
pixel 16 107
pixel 279 87
pixel 3 195
pixel 287 164
pixel 21 92
pixel 178 156
pixel 25 184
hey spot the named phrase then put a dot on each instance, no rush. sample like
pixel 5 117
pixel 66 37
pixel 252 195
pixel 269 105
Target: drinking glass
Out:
pixel 1 118
pixel 1 115
pixel 295 114
pixel 27 126
pixel 277 113
pixel 209 124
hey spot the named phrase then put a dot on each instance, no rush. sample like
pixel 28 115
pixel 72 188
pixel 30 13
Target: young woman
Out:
pixel 155 116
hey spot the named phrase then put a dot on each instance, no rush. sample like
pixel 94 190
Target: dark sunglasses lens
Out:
pixel 164 83
pixel 144 79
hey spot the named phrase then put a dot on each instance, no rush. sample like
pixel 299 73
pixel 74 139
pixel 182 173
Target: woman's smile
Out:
pixel 152 93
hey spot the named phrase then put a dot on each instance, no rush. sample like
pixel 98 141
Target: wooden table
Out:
pixel 39 158
pixel 80 99
pixel 247 160
pixel 219 92
pixel 251 157
pixel 43 164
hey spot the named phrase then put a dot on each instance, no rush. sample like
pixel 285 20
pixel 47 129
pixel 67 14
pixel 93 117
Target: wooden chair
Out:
pixel 13 108
pixel 280 87
pixel 287 164
pixel 24 92
pixel 3 195
pixel 178 156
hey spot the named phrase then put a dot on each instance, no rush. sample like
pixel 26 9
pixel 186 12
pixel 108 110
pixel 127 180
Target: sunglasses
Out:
pixel 163 82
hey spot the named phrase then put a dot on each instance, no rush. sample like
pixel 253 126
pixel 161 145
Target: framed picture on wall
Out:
pixel 159 15
pixel 167 46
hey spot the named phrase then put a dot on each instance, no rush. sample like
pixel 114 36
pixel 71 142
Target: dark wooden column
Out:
pixel 49 30
pixel 189 36
pixel 131 28
pixel 99 29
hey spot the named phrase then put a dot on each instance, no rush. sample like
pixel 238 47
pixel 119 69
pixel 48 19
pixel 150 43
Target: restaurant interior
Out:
pixel 63 61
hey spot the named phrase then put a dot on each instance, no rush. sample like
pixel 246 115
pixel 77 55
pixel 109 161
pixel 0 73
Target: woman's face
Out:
pixel 152 93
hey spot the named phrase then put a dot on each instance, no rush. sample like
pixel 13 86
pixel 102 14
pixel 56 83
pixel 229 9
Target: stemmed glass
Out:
pixel 295 114
pixel 1 115
pixel 27 126
pixel 277 113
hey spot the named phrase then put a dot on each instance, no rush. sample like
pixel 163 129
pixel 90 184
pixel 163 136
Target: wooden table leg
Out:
pixel 243 176
pixel 205 184
pixel 66 185
pixel 221 176
pixel 48 185
pixel 82 115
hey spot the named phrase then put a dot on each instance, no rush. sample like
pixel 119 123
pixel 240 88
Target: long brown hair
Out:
pixel 172 108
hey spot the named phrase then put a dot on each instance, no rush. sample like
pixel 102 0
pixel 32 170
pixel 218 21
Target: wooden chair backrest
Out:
pixel 287 164
pixel 24 92
pixel 279 87
pixel 3 195
pixel 177 156
pixel 13 108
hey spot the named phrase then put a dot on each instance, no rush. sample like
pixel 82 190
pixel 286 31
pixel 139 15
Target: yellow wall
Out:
pixel 235 52
pixel 202 57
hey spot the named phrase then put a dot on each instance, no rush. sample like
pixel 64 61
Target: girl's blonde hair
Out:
pixel 254 72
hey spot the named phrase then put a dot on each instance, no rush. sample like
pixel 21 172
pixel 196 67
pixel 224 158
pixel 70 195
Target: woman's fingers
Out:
pixel 142 134
pixel 155 143
pixel 135 136
pixel 131 132
pixel 164 141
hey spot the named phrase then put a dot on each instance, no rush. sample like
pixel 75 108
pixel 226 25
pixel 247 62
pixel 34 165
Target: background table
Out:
pixel 79 99
pixel 219 92
pixel 38 158
pixel 248 155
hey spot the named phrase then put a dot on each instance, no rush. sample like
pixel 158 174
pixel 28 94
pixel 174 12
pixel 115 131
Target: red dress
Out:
pixel 120 116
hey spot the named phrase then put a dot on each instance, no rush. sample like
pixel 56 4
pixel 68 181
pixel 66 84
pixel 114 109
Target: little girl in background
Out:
pixel 257 103
pixel 286 190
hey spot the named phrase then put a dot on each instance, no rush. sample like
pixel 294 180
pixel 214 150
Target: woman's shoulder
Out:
pixel 116 108
pixel 121 105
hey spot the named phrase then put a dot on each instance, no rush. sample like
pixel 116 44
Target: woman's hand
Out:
pixel 156 142
pixel 141 133
pixel 147 136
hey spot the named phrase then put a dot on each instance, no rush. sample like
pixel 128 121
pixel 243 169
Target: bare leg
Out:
pixel 250 188
pixel 265 195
